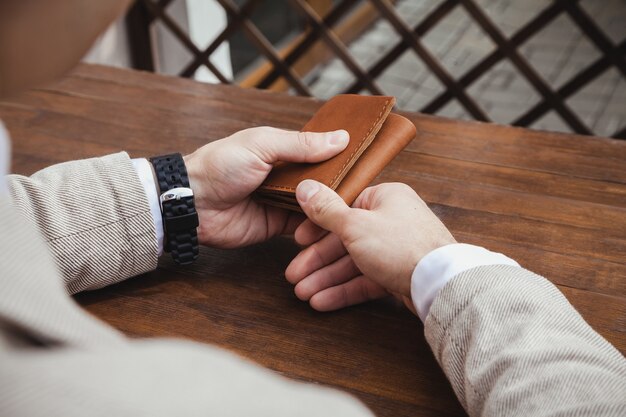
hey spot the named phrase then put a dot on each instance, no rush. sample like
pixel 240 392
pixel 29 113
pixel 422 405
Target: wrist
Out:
pixel 422 252
pixel 196 171
pixel 194 175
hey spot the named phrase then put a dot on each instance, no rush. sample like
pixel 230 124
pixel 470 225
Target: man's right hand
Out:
pixel 371 250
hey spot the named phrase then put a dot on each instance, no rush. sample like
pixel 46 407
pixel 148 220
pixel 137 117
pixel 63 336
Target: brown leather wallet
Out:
pixel 376 137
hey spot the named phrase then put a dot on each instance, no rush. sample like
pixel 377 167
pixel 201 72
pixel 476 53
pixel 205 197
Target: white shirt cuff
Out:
pixel 441 265
pixel 144 171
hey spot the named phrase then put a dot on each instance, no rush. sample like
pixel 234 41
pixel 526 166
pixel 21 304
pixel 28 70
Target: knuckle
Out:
pixel 402 187
pixel 254 131
pixel 408 189
pixel 317 254
pixel 259 133
pixel 258 140
pixel 327 209
pixel 305 138
pixel 302 292
pixel 344 295
pixel 398 188
pixel 306 141
pixel 321 207
pixel 364 292
pixel 264 129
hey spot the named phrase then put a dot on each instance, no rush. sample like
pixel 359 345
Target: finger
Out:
pixel 385 195
pixel 316 256
pixel 357 290
pixel 279 221
pixel 294 220
pixel 308 233
pixel 273 145
pixel 336 273
pixel 364 200
pixel 322 205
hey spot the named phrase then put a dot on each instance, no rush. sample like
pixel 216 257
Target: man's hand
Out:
pixel 224 173
pixel 371 250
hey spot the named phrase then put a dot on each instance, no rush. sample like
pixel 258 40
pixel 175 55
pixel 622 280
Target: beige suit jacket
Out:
pixel 507 339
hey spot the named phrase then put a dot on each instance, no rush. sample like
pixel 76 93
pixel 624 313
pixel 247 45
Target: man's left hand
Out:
pixel 224 173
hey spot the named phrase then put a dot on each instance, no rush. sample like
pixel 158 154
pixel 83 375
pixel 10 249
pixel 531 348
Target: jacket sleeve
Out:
pixel 512 345
pixel 94 216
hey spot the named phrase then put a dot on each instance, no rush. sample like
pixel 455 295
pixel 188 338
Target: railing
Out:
pixel 329 26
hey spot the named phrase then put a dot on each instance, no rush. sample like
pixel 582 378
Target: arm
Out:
pixel 94 216
pixel 507 339
pixel 156 378
pixel 98 215
pixel 511 344
pixel 57 360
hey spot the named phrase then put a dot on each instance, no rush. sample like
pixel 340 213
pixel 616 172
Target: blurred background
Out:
pixel 555 65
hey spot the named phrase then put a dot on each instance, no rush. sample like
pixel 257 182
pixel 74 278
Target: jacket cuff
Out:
pixel 439 266
pixel 95 218
pixel 126 244
pixel 471 293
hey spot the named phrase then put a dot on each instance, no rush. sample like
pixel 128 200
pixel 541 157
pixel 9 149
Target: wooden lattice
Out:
pixel 145 12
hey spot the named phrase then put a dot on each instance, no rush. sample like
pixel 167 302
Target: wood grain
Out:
pixel 554 202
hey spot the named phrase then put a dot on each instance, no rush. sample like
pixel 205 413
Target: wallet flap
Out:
pixel 396 133
pixel 361 116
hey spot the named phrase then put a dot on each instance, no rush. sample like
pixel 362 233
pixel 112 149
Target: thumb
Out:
pixel 322 205
pixel 272 145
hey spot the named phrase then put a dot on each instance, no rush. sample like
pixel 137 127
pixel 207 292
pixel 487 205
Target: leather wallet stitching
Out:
pixel 279 187
pixel 382 111
pixel 332 182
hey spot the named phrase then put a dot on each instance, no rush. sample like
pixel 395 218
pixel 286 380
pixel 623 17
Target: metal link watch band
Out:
pixel 180 219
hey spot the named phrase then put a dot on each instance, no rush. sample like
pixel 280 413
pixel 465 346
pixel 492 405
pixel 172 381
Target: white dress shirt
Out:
pixel 430 275
pixel 144 170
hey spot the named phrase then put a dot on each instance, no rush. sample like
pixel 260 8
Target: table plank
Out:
pixel 554 202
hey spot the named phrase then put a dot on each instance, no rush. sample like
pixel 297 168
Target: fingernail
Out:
pixel 306 190
pixel 338 137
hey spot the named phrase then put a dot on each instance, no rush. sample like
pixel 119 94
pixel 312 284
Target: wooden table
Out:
pixel 554 202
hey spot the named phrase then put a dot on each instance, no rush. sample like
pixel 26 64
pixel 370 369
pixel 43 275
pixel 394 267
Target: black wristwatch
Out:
pixel 180 219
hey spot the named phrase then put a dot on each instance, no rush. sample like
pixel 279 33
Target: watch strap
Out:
pixel 180 219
